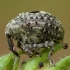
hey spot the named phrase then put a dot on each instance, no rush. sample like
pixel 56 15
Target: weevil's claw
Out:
pixel 17 54
pixel 65 46
pixel 52 62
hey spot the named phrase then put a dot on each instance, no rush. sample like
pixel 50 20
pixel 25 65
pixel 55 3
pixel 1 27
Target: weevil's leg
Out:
pixel 26 49
pixel 49 57
pixel 36 48
pixel 39 46
pixel 19 45
pixel 51 52
pixel 47 44
pixel 11 45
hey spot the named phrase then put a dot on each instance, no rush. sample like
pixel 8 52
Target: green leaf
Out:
pixel 5 60
pixel 16 63
pixel 63 64
pixel 11 62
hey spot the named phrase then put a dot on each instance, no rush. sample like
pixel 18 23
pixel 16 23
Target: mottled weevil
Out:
pixel 34 30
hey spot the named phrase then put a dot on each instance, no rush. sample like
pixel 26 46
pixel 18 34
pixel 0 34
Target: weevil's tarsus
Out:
pixel 51 52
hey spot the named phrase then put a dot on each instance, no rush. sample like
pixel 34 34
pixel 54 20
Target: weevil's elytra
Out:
pixel 34 30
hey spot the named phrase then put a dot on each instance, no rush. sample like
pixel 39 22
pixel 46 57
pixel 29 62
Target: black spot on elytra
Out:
pixel 47 31
pixel 34 12
pixel 36 17
pixel 31 17
pixel 57 28
pixel 42 17
pixel 45 14
pixel 46 25
pixel 25 18
pixel 42 29
pixel 36 23
pixel 28 24
pixel 53 19
pixel 54 16
pixel 51 25
pixel 48 18
pixel 26 42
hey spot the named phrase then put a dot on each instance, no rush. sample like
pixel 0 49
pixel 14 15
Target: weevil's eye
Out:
pixel 8 35
pixel 65 46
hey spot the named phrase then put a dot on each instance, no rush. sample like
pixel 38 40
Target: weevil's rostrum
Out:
pixel 33 30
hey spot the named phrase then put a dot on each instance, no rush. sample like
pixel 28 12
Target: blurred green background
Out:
pixel 9 9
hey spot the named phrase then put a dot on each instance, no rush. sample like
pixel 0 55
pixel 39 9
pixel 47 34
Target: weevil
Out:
pixel 34 30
